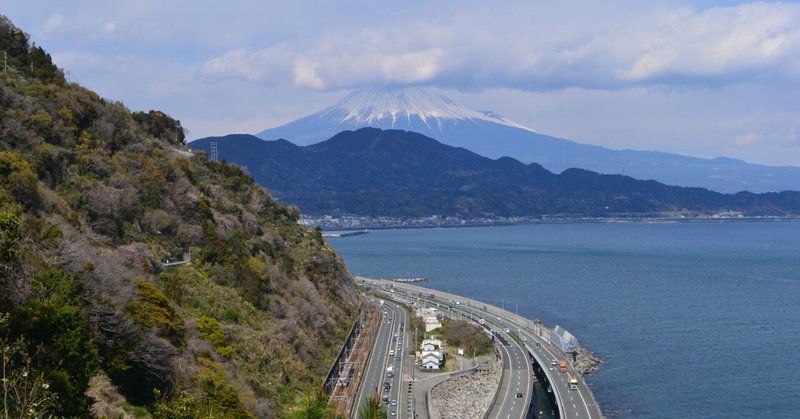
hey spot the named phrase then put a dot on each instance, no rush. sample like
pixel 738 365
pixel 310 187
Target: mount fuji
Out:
pixel 491 135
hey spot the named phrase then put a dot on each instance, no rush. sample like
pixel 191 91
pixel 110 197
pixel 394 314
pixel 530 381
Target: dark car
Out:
pixel 519 395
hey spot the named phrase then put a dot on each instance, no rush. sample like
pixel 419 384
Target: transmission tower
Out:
pixel 214 152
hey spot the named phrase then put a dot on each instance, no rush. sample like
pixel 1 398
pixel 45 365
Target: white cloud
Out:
pixel 681 76
pixel 54 22
pixel 412 67
pixel 305 75
pixel 528 48
pixel 719 42
pixel 747 139
pixel 271 65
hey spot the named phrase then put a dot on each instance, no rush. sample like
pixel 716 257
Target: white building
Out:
pixel 432 354
pixel 431 360
pixel 431 344
pixel 429 316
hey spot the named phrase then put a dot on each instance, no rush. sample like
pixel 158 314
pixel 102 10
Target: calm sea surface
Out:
pixel 692 320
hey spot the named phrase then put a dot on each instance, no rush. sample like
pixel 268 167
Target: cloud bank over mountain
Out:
pixel 672 46
pixel 699 77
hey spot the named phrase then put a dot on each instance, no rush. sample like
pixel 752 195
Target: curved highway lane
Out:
pixel 572 403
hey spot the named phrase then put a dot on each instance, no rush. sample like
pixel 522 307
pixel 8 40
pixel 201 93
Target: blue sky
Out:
pixel 702 78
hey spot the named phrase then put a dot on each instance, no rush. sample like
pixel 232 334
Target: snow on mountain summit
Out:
pixel 368 107
pixel 492 136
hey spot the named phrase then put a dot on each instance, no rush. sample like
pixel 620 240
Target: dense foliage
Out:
pixel 94 201
pixel 472 339
pixel 396 173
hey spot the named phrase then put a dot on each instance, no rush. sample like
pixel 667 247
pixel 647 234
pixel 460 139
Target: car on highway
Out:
pixel 394 402
pixel 387 386
pixel 519 395
pixel 397 358
pixel 391 352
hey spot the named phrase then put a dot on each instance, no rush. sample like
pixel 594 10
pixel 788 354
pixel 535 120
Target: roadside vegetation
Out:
pixel 466 335
pixel 372 408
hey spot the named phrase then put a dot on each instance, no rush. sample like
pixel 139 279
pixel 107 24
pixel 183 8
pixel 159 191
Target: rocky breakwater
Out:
pixel 467 396
pixel 584 361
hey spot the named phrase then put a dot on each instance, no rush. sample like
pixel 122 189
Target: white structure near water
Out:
pixel 429 316
pixel 432 354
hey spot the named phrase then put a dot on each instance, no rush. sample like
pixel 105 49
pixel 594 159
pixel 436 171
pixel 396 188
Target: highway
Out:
pixel 375 376
pixel 572 403
pixel 517 377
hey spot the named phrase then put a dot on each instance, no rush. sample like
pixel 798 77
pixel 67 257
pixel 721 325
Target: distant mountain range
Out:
pixel 398 173
pixel 491 135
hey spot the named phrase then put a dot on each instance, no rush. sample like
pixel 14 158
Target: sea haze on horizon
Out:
pixel 692 319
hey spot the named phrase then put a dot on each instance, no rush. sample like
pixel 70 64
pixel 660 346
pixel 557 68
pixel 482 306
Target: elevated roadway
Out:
pixel 578 403
pixel 516 388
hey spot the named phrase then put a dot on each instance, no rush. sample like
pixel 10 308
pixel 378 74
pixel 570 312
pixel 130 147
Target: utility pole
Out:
pixel 5 61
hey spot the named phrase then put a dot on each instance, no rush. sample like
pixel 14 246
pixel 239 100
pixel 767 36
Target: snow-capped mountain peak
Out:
pixel 396 108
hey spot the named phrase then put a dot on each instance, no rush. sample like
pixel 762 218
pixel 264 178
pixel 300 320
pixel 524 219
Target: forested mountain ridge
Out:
pixel 95 200
pixel 374 172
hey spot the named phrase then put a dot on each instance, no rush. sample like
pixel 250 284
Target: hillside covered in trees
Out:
pixel 374 172
pixel 95 202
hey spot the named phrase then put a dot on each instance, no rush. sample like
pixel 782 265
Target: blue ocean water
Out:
pixel 692 319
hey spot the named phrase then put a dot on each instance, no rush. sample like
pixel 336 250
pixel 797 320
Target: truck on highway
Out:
pixel 573 383
pixel 431 295
pixel 562 366
pixel 390 371
pixel 381 303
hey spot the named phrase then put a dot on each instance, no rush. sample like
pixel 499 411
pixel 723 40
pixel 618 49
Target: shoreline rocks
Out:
pixel 467 396
pixel 585 361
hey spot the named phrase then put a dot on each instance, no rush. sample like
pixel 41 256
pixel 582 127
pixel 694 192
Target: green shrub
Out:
pixel 17 176
pixel 231 315
pixel 152 309
pixel 211 331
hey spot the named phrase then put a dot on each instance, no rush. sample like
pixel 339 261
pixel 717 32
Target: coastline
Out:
pixel 418 224
pixel 584 360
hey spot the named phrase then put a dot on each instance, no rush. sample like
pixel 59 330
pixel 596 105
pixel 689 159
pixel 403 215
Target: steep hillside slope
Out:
pixel 405 174
pixel 95 202
pixel 491 135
